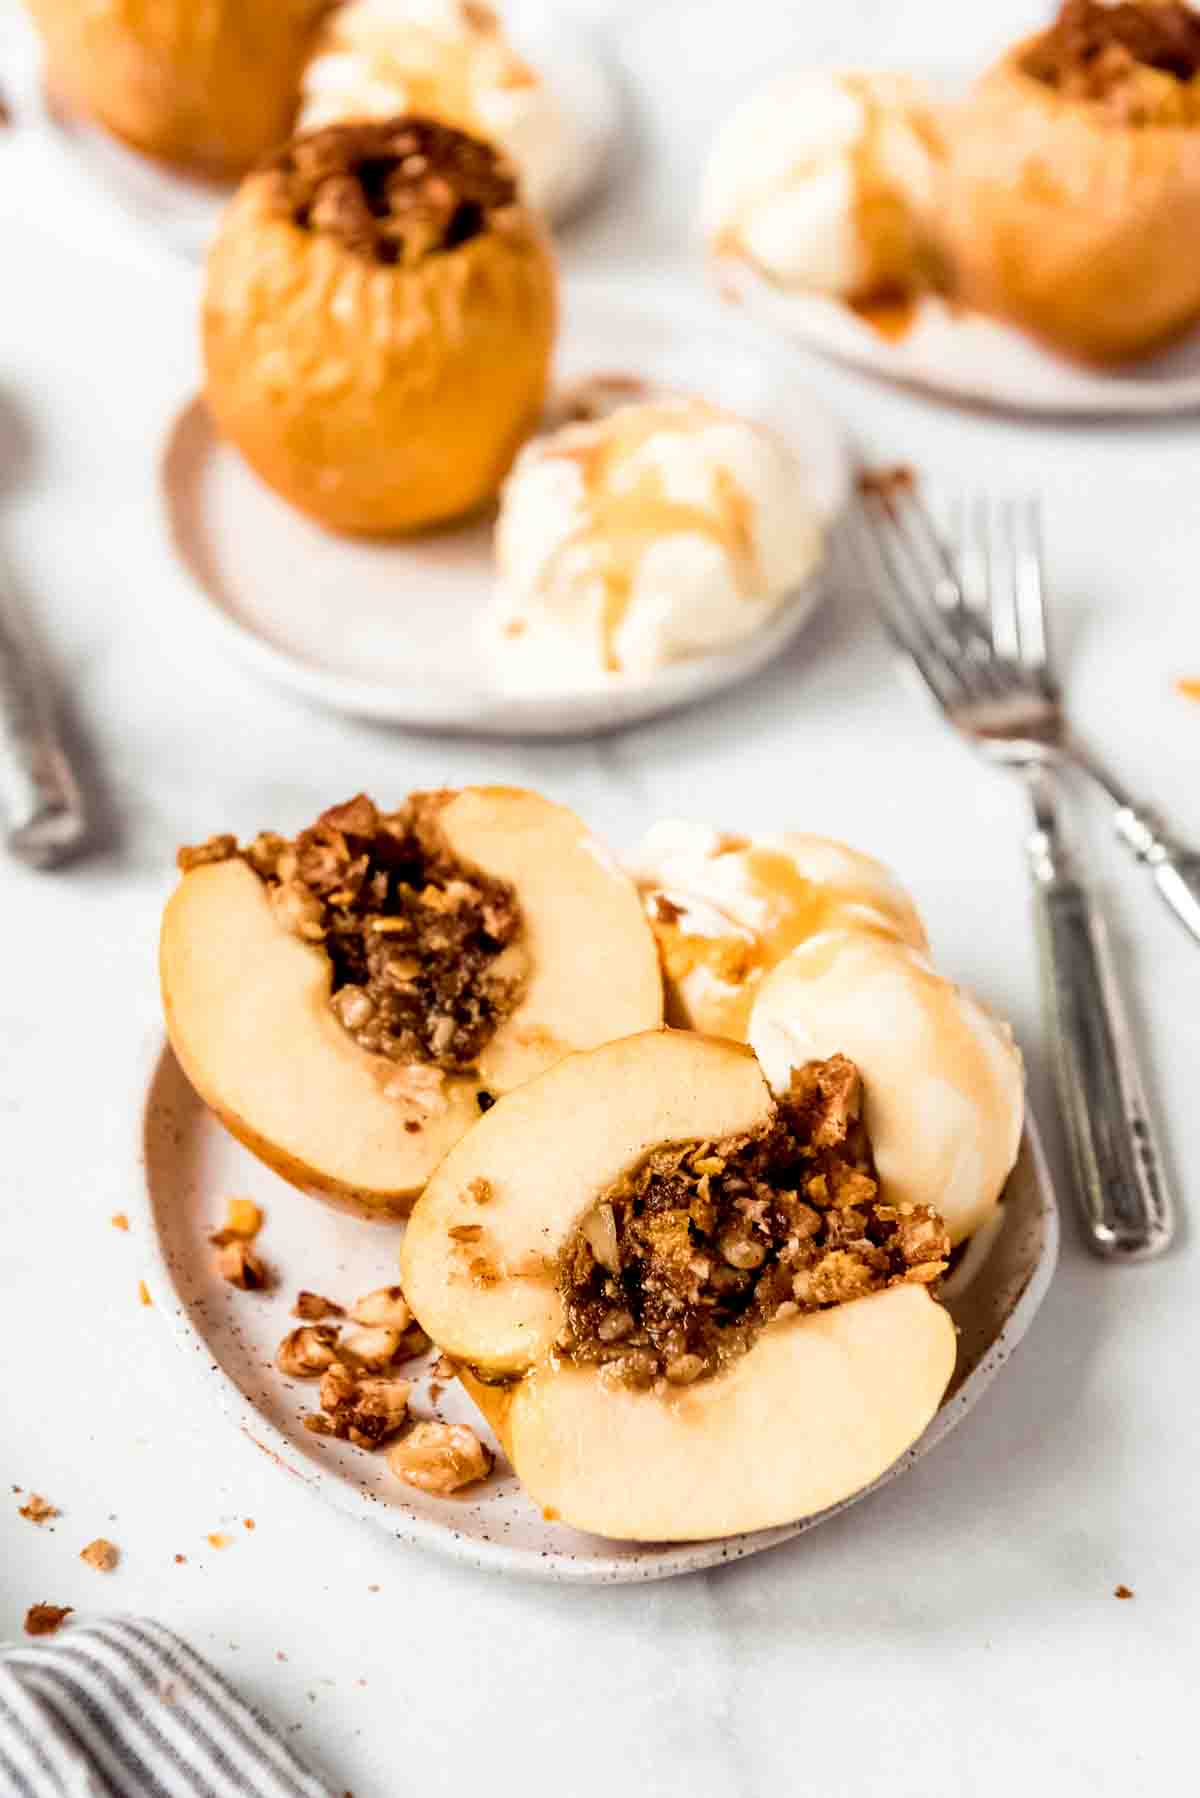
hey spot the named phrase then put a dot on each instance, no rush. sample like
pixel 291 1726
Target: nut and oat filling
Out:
pixel 392 192
pixel 672 1275
pixel 427 953
pixel 1094 51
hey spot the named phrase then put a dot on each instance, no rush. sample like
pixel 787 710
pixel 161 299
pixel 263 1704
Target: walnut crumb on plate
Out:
pixel 101 1554
pixel 37 1509
pixel 46 1619
pixel 238 1264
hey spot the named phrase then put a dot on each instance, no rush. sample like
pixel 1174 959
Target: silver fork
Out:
pixel 970 614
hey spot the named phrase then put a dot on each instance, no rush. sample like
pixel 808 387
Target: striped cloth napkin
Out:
pixel 124 1709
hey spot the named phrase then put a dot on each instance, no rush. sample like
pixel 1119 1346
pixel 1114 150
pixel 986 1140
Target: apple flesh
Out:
pixel 817 1409
pixel 248 1014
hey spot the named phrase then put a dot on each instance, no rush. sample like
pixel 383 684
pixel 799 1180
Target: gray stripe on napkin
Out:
pixel 124 1709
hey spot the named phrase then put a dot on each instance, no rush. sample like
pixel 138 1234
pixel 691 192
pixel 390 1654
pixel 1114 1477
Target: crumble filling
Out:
pixel 426 952
pixel 395 191
pixel 674 1273
pixel 1102 53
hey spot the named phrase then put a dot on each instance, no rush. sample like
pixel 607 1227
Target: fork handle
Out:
pixel 1174 870
pixel 1120 1176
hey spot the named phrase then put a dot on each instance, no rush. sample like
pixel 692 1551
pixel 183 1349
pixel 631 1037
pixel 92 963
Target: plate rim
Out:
pixel 1125 397
pixel 489 712
pixel 101 157
pixel 650 1561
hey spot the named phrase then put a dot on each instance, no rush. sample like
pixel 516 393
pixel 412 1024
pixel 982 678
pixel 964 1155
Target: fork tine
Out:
pixel 870 533
pixel 925 540
pixel 1030 590
pixel 993 528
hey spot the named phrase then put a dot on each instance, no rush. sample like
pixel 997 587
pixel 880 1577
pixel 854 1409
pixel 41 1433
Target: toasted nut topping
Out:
pixel 45 1619
pixel 306 1352
pixel 101 1554
pixel 440 1457
pixel 386 1305
pixel 465 1232
pixel 311 1306
pixel 239 1265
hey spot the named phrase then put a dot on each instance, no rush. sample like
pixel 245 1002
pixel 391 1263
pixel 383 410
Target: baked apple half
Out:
pixel 349 1002
pixel 680 1301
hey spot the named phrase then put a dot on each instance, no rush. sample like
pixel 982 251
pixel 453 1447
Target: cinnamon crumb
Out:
pixel 248 1523
pixel 144 1293
pixel 119 1221
pixel 101 1554
pixel 1189 687
pixel 46 1619
pixel 1122 1591
pixel 480 1190
pixel 180 1560
pixel 217 1540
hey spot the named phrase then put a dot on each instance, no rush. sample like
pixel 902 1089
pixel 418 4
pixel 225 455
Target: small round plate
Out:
pixel 181 209
pixel 189 1165
pixel 395 631
pixel 965 356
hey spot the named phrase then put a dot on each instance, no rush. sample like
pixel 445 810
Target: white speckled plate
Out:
pixel 394 630
pixel 965 356
pixel 191 1165
pixel 181 210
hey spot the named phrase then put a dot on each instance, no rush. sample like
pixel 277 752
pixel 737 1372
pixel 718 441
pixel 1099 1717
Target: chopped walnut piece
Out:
pixel 239 1265
pixel 364 1409
pixel 38 1509
pixel 307 1352
pixel 386 1306
pixel 480 1190
pixel 46 1619
pixel 312 1305
pixel 101 1554
pixel 198 855
pixel 440 1458
pixel 374 1347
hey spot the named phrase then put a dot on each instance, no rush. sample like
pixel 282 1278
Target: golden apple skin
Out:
pixel 211 84
pixel 1076 227
pixel 377 399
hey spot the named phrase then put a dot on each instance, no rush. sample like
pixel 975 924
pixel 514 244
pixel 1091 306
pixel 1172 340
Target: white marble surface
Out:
pixel 955 1636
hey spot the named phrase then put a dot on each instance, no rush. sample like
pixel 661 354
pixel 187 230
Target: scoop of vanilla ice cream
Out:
pixel 664 530
pixel 824 181
pixel 450 60
pixel 726 909
pixel 943 1086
